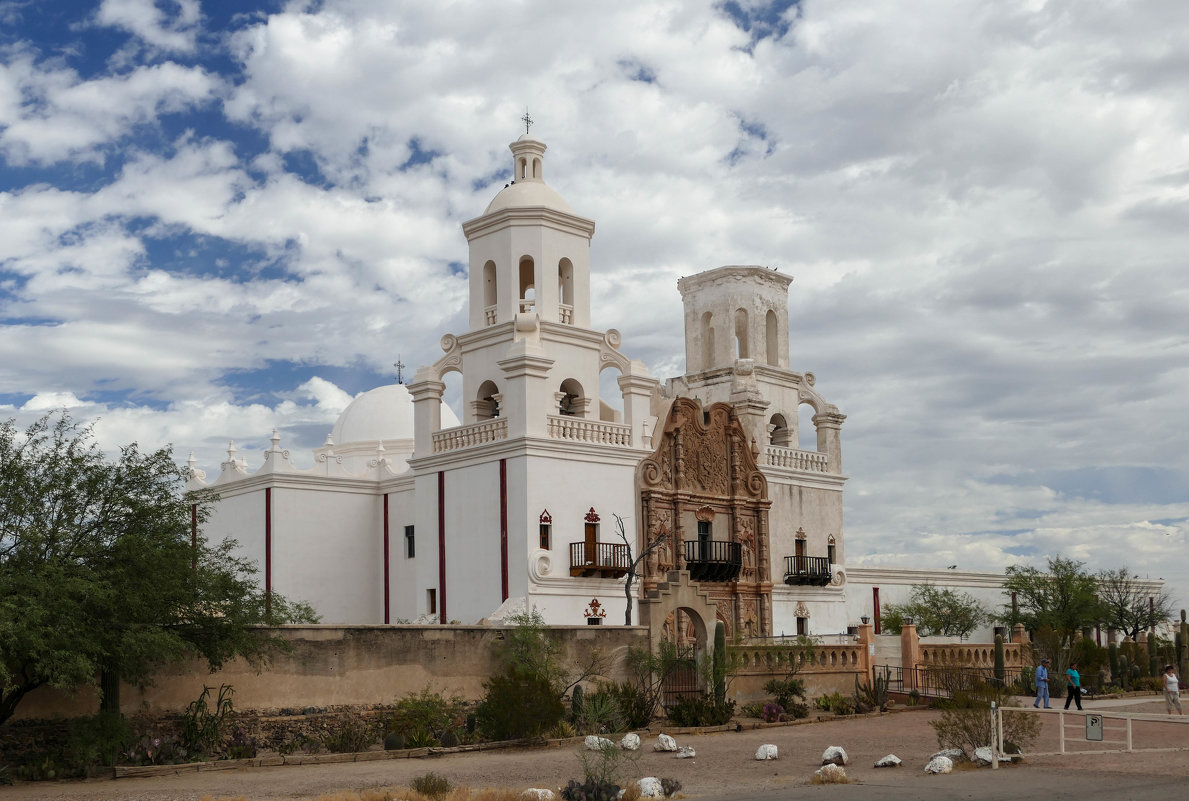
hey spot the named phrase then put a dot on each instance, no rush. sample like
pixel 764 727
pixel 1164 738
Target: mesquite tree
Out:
pixel 634 563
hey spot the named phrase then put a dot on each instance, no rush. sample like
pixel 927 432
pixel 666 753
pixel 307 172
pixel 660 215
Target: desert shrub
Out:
pixel 157 748
pixel 1153 684
pixel 242 745
pixel 394 741
pixel 966 722
pixel 300 742
pixel 835 702
pixel 350 733
pixel 609 764
pixel 431 785
pixel 203 724
pixel 693 710
pixel 518 703
pixel 563 730
pixel 771 712
pixel 873 694
pixel 420 738
pixel 97 740
pixel 785 691
pixel 600 712
pixel 914 696
pixel 797 711
pixel 752 710
pixel 589 791
pixel 635 708
pixel 428 712
pixel 449 739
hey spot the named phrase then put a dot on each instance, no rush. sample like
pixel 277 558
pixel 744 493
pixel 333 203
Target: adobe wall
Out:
pixel 345 666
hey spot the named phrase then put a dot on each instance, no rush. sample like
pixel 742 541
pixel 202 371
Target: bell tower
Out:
pixel 529 252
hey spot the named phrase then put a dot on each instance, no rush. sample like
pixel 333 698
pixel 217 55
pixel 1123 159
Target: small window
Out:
pixel 410 543
pixel 545 532
pixel 802 627
pixel 832 554
pixel 594 621
pixel 431 601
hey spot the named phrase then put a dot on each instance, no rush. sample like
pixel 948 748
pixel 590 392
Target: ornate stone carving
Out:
pixel 801 610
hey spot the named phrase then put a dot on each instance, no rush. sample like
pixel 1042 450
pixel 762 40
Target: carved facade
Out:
pixel 701 490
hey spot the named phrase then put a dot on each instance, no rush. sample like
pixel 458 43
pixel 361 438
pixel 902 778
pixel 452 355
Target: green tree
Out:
pixel 104 574
pixel 1062 598
pixel 1128 605
pixel 936 611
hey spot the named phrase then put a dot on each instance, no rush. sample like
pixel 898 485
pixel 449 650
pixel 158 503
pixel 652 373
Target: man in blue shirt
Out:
pixel 1042 683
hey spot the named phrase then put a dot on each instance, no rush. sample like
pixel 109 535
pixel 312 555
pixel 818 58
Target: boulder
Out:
pixel 831 774
pixel 766 752
pixel 940 764
pixel 890 761
pixel 834 755
pixel 596 743
pixel 665 743
pixel 650 787
pixel 954 754
pixel 984 756
pixel 686 752
pixel 630 742
pixel 537 794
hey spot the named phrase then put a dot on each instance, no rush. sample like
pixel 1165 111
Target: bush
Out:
pixel 518 703
pixel 394 741
pixel 589 791
pixel 349 734
pixel 771 713
pixel 203 724
pixel 797 711
pixel 836 703
pixel 700 711
pixel 600 712
pixel 785 691
pixel 98 740
pixel 427 712
pixel 431 785
pixel 966 722
pixel 242 745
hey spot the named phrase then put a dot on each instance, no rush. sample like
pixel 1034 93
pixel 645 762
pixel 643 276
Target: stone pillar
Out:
pixel 1019 634
pixel 748 401
pixel 427 410
pixel 637 388
pixel 829 437
pixel 528 398
pixel 867 652
pixel 910 654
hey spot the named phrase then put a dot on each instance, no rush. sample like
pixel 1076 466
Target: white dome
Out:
pixel 382 414
pixel 528 194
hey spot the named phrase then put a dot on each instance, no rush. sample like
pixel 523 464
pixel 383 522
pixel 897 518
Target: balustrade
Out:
pixel 794 459
pixel 474 434
pixel 579 429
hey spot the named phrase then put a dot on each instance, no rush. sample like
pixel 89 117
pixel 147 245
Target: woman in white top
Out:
pixel 1172 690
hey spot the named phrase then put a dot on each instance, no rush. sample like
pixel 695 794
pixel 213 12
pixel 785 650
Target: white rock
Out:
pixel 890 761
pixel 766 752
pixel 595 743
pixel 940 764
pixel 685 752
pixel 954 754
pixel 650 787
pixel 665 743
pixel 834 755
pixel 831 773
pixel 983 756
pixel 630 742
pixel 537 794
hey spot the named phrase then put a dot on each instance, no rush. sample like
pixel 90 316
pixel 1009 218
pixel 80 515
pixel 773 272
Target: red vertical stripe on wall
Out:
pixel 268 550
pixel 442 547
pixel 875 599
pixel 504 528
pixel 386 604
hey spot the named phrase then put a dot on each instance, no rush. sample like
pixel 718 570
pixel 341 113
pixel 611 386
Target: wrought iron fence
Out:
pixel 943 682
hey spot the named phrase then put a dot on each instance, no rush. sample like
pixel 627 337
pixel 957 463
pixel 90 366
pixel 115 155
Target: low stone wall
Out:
pixel 343 666
pixel 832 668
pixel 969 654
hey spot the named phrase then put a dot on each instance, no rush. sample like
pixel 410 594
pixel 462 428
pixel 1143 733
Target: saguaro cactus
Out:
pixel 1114 662
pixel 1000 670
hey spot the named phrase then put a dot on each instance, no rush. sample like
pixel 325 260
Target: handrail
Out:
pixel 579 429
pixel 795 459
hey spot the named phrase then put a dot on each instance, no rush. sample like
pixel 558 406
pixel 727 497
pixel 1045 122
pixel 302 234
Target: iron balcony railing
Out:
pixel 938 681
pixel 713 560
pixel 813 570
pixel 606 559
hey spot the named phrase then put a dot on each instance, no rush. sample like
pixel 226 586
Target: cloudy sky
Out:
pixel 217 217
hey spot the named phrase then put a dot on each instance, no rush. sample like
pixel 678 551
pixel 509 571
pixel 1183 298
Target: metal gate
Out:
pixel 683 681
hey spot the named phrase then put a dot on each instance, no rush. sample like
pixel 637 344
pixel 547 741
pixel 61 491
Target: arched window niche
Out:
pixel 770 339
pixel 571 400
pixel 741 351
pixel 490 293
pixel 565 291
pixel 778 431
pixel 486 405
pixel 707 341
pixel 807 439
pixel 527 284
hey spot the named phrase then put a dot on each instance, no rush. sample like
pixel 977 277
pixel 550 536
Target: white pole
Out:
pixel 1129 733
pixel 1061 730
pixel 995 736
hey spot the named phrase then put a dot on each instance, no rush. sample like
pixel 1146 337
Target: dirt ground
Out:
pixel 724 766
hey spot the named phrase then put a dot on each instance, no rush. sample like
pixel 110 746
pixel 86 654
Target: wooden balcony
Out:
pixel 810 570
pixel 713 560
pixel 606 560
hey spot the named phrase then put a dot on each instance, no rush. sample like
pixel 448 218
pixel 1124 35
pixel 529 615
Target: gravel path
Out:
pixel 724 765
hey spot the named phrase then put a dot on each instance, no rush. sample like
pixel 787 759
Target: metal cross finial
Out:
pixel 400 366
pixel 527 120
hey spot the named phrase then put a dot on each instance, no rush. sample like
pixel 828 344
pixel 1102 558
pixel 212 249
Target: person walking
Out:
pixel 1073 686
pixel 1172 690
pixel 1042 684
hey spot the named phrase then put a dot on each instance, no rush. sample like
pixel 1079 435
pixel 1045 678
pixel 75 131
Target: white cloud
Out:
pixel 171 25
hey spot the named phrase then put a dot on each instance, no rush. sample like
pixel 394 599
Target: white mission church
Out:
pixel 410 515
